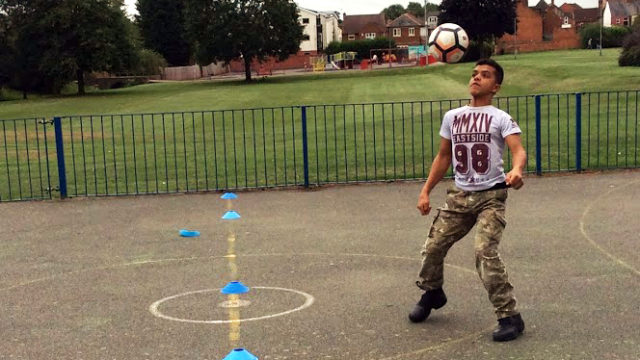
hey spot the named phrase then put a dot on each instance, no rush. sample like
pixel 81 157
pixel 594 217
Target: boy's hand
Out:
pixel 514 179
pixel 423 204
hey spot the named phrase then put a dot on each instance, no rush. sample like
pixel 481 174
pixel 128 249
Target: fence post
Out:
pixel 579 132
pixel 62 175
pixel 538 136
pixel 305 147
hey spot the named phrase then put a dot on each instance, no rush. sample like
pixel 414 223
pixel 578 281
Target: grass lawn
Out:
pixel 545 72
pixel 189 148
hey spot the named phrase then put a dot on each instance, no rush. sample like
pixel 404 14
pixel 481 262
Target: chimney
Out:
pixel 553 3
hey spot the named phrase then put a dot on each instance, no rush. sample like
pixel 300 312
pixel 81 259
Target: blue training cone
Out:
pixel 234 288
pixel 240 354
pixel 229 196
pixel 189 233
pixel 231 215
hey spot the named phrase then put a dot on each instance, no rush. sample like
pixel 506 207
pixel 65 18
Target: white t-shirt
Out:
pixel 477 140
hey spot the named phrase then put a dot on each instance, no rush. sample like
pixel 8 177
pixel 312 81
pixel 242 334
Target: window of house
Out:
pixel 412 32
pixel 626 22
pixel 618 21
pixel 306 37
pixel 370 35
pixel 351 37
pixel 566 20
pixel 397 32
pixel 305 20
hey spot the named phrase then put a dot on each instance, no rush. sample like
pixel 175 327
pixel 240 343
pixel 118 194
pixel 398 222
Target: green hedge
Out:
pixel 611 36
pixel 362 47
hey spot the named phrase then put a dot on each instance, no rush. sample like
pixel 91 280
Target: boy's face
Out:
pixel 483 81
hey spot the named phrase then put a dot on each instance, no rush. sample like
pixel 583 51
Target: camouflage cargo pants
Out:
pixel 462 210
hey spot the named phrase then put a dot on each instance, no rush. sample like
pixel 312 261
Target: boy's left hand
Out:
pixel 514 179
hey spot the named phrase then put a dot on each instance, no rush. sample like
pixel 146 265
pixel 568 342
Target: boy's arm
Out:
pixel 439 168
pixel 519 155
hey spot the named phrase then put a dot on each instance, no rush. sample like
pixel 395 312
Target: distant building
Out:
pixel 359 27
pixel 546 27
pixel 320 29
pixel 407 30
pixel 619 12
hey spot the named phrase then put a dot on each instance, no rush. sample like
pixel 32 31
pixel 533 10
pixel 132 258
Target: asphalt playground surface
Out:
pixel 331 273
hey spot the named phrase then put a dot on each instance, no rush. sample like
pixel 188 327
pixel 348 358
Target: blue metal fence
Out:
pixel 105 155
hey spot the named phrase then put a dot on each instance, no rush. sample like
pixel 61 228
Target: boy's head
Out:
pixel 486 78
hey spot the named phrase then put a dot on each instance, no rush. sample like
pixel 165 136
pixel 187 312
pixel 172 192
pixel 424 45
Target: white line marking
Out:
pixel 193 258
pixel 309 299
pixel 615 259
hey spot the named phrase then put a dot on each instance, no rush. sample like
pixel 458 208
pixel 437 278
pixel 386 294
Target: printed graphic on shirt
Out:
pixel 477 137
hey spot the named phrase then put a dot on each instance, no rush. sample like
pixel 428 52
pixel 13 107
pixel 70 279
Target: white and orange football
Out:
pixel 448 42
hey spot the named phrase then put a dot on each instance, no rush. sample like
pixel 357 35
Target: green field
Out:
pixel 545 72
pixel 189 148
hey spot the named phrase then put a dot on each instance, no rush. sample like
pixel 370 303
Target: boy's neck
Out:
pixel 481 101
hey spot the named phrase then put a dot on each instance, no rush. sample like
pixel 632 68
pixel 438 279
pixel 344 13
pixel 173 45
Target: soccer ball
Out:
pixel 448 42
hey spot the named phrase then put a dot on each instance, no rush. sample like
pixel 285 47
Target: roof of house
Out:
pixel 570 7
pixel 541 6
pixel 326 13
pixel 406 20
pixel 622 8
pixel 352 24
pixel 587 15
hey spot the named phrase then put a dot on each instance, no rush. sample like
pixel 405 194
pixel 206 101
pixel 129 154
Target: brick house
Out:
pixel 579 15
pixel 359 27
pixel 619 12
pixel 407 30
pixel 541 27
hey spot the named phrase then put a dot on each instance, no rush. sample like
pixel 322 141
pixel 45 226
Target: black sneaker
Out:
pixel 508 328
pixel 431 299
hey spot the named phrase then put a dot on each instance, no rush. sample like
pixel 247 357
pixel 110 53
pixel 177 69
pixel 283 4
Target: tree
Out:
pixel 393 11
pixel 483 20
pixel 224 30
pixel 58 41
pixel 162 27
pixel 416 9
pixel 6 53
pixel 432 7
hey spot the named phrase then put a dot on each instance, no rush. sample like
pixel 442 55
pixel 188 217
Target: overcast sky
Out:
pixel 375 6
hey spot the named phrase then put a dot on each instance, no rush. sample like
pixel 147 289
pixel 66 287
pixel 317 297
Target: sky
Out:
pixel 354 7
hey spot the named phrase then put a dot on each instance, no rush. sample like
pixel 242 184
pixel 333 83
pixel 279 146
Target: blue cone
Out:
pixel 240 354
pixel 231 215
pixel 229 196
pixel 189 233
pixel 234 288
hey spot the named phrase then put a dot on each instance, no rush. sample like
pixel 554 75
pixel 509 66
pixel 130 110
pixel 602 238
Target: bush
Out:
pixel 478 50
pixel 631 50
pixel 362 47
pixel 611 36
pixel 630 57
pixel 149 62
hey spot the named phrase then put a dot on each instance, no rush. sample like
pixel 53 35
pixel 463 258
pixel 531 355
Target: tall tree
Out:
pixel 224 30
pixel 6 52
pixel 62 40
pixel 163 30
pixel 483 20
pixel 416 9
pixel 393 11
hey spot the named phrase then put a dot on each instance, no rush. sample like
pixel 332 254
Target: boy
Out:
pixel 473 139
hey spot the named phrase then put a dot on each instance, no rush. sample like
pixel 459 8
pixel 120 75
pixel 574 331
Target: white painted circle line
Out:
pixel 153 308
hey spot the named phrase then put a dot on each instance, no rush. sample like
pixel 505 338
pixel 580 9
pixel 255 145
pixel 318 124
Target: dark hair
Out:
pixel 495 66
